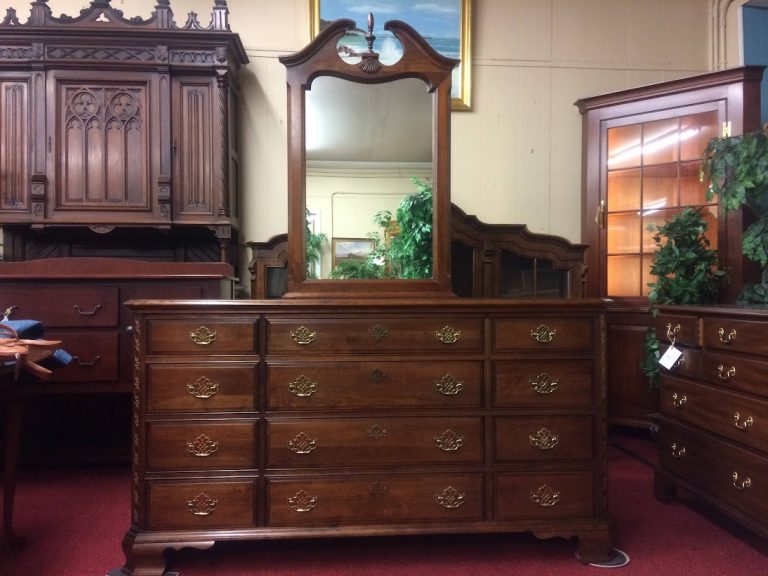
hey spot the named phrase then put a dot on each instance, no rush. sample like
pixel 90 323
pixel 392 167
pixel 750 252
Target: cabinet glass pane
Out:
pixel 655 218
pixel 696 131
pixel 660 187
pixel 623 275
pixel 624 190
pixel 660 141
pixel 624 233
pixel 692 189
pixel 647 276
pixel 624 146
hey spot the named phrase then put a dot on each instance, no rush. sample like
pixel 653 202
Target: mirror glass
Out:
pixel 369 172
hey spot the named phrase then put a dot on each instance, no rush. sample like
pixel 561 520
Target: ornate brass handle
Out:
pixel 202 504
pixel 680 362
pixel 448 335
pixel 377 432
pixel 450 498
pixel 449 441
pixel 377 376
pixel 302 501
pixel 673 332
pixel 203 388
pixel 742 424
pixel 741 485
pixel 727 338
pixel 302 387
pixel 544 496
pixel 91 364
pixel 203 336
pixel 377 332
pixel 84 313
pixel 302 444
pixel 303 336
pixel 679 400
pixel 543 384
pixel 726 373
pixel 543 333
pixel 544 439
pixel 449 385
pixel 202 446
pixel 600 215
pixel 677 452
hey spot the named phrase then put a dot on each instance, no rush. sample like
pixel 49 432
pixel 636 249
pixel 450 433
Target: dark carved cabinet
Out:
pixel 109 123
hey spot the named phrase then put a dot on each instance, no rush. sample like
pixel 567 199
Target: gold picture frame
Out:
pixel 462 78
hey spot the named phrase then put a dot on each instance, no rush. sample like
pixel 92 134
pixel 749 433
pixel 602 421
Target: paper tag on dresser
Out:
pixel 669 357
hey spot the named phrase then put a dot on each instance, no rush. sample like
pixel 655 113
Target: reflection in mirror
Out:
pixel 368 179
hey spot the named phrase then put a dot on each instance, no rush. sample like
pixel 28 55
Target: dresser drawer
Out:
pixel 201 387
pixel 736 476
pixel 735 372
pixel 741 418
pixel 62 305
pixel 315 442
pixel 210 337
pixel 94 356
pixel 678 328
pixel 340 385
pixel 543 383
pixel 544 334
pixel 201 505
pixel 201 445
pixel 688 364
pixel 736 335
pixel 370 499
pixel 374 335
pixel 543 438
pixel 543 496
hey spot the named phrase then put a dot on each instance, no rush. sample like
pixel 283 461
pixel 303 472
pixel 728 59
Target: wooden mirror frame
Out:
pixel 419 60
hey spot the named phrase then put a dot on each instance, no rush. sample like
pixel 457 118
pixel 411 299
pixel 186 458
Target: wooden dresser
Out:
pixel 714 409
pixel 303 418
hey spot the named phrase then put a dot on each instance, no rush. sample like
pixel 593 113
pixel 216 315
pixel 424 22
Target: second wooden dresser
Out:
pixel 278 419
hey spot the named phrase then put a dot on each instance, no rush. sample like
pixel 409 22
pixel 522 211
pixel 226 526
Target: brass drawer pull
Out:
pixel 377 432
pixel 302 387
pixel 543 333
pixel 449 385
pixel 673 332
pixel 378 332
pixel 450 498
pixel 377 376
pixel 302 501
pixel 203 388
pixel 203 336
pixel 727 338
pixel 544 496
pixel 725 373
pixel 377 489
pixel 202 446
pixel 448 335
pixel 449 441
pixel 302 444
pixel 742 424
pixel 543 384
pixel 544 439
pixel 741 485
pixel 84 313
pixel 303 336
pixel 680 362
pixel 91 364
pixel 679 400
pixel 202 504
pixel 677 452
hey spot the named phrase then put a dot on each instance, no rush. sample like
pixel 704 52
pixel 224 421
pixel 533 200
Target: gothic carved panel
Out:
pixel 13 145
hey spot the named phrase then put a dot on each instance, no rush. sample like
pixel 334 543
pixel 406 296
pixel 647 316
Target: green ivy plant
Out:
pixel 314 242
pixel 686 272
pixel 736 169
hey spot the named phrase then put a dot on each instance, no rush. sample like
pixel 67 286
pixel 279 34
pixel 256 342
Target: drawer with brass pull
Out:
pixel 313 442
pixel 543 383
pixel 201 445
pixel 730 414
pixel 201 387
pixel 210 337
pixel 736 475
pixel 677 329
pixel 61 305
pixel 736 335
pixel 371 498
pixel 544 334
pixel 349 385
pixel 688 364
pixel 541 439
pixel 541 496
pixel 735 372
pixel 374 335
pixel 196 505
pixel 94 355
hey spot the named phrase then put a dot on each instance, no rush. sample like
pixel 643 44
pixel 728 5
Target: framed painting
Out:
pixel 351 249
pixel 445 24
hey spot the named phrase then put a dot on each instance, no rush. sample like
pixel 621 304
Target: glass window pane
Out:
pixel 624 146
pixel 696 131
pixel 692 189
pixel 623 275
pixel 656 218
pixel 647 276
pixel 624 233
pixel 624 190
pixel 660 187
pixel 660 141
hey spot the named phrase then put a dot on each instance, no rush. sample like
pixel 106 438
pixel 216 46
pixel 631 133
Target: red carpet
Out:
pixel 74 522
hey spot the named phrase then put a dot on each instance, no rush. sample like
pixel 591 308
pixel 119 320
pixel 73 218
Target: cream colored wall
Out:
pixel 517 154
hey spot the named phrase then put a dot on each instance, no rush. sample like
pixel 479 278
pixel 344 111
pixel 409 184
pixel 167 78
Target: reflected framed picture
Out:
pixel 351 249
pixel 445 24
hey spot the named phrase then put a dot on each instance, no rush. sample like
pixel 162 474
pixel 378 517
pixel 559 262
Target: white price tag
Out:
pixel 669 357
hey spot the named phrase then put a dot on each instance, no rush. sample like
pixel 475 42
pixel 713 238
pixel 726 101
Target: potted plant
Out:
pixel 736 169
